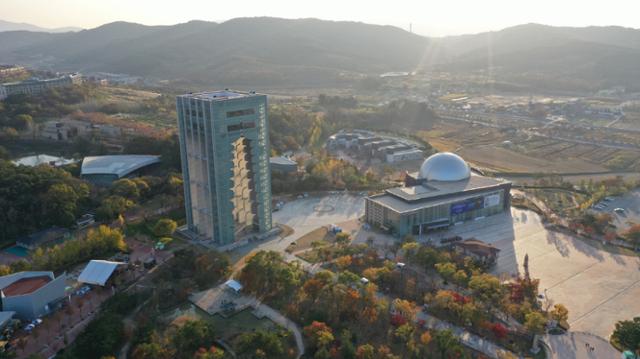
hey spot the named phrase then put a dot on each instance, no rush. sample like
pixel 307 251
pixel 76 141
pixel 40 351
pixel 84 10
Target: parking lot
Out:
pixel 631 205
pixel 599 288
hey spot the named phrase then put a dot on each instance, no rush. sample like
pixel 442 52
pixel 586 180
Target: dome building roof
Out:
pixel 445 167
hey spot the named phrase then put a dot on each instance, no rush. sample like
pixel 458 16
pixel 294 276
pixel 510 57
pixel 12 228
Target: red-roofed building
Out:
pixel 31 294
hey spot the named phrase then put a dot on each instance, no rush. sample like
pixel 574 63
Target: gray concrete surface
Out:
pixel 599 288
pixel 579 346
pixel 307 214
pixel 631 204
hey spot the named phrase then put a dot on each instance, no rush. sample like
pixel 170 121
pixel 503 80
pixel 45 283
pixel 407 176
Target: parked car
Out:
pixel 619 210
pixel 29 328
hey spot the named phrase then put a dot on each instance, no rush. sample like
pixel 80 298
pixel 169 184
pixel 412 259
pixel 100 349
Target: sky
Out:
pixel 428 17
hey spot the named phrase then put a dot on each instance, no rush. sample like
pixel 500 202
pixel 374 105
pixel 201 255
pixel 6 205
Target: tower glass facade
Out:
pixel 224 147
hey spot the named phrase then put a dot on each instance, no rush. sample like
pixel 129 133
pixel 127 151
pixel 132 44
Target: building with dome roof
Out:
pixel 443 192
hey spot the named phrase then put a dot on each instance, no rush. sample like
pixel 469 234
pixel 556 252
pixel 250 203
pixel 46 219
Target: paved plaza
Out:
pixel 307 214
pixel 599 288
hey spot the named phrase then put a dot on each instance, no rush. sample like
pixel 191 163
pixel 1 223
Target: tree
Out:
pixel 191 336
pixel 486 287
pixel 499 330
pixel 320 334
pixel 113 206
pixel 165 227
pixel 446 270
pixel 125 188
pixel 627 334
pixel 209 268
pixel 632 234
pixel 4 154
pixel 212 353
pixel 347 348
pixel 366 351
pixel 102 337
pixel 21 122
pixel 447 342
pixel 460 277
pixel 559 313
pixel 60 203
pixel 151 351
pixel 343 238
pixel 267 274
pixel 261 343
pixel 535 322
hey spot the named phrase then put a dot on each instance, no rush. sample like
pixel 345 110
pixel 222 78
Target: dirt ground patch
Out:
pixel 321 235
pixel 499 158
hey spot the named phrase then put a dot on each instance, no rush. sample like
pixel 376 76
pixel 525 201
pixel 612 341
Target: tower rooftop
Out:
pixel 220 95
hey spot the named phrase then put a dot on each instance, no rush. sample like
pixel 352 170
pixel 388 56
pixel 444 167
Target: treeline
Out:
pixel 34 198
pixel 49 103
pixel 97 243
pixel 105 335
pixel 325 173
pixel 168 148
pixel 296 125
pixel 186 272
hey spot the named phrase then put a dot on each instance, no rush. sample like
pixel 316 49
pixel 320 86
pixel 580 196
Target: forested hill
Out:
pixel 273 52
pixel 239 51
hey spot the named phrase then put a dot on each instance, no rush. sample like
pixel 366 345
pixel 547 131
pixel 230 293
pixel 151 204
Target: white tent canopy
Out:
pixel 233 284
pixel 97 272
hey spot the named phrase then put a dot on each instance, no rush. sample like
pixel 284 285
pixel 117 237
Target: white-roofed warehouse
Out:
pixel 106 169
pixel 98 272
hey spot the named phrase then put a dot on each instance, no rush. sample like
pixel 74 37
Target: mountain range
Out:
pixel 21 26
pixel 310 52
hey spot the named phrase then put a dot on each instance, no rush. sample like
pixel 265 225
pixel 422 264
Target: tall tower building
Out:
pixel 224 147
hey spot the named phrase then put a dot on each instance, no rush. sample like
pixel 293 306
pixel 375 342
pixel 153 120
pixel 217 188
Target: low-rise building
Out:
pixel 98 272
pixel 478 250
pixel 407 155
pixel 444 192
pixel 31 294
pixel 283 165
pixel 103 170
pixel 36 86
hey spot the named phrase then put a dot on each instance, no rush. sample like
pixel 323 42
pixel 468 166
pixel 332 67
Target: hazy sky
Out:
pixel 441 17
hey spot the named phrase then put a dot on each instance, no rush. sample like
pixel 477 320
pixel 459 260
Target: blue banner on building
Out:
pixel 468 205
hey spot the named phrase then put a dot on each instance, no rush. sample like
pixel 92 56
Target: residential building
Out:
pixel 444 192
pixel 224 147
pixel 31 294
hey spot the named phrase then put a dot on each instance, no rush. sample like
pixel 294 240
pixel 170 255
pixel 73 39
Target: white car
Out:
pixel 29 327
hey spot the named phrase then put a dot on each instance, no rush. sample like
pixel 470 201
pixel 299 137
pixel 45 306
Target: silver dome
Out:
pixel 444 166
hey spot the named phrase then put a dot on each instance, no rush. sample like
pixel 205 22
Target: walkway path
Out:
pixel 263 310
pixel 574 346
pixel 473 341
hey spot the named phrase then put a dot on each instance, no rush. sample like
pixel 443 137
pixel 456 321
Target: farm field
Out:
pixel 508 151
